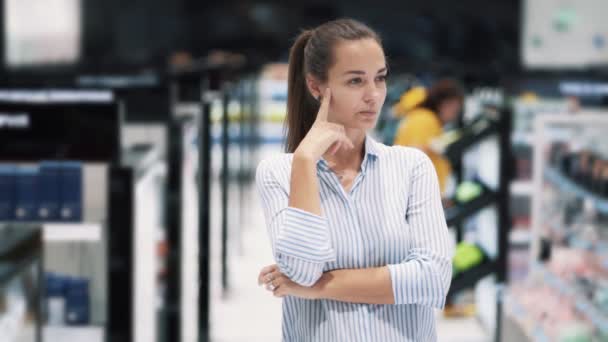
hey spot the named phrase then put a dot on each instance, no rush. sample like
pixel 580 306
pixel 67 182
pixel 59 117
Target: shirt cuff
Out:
pixel 421 280
pixel 305 236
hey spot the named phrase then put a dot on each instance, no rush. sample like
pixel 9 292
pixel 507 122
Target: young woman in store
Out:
pixel 357 228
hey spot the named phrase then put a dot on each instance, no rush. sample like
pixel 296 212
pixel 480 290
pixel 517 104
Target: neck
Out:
pixel 349 159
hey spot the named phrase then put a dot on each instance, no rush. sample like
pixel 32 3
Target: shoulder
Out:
pixel 403 154
pixel 276 167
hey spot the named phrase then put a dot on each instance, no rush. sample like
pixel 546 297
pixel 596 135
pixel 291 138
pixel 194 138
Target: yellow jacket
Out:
pixel 418 128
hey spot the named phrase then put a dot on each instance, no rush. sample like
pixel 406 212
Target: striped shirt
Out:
pixel 392 216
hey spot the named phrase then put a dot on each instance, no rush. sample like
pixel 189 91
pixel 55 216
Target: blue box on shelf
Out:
pixel 49 185
pixel 71 191
pixel 7 192
pixel 77 302
pixel 26 193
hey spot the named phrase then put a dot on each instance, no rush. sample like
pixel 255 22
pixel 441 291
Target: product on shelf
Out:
pixel 565 295
pixel 26 196
pixel 468 191
pixel 7 192
pixel 467 256
pixel 55 300
pixel 50 191
pixel 584 167
pixel 67 300
pixel 77 301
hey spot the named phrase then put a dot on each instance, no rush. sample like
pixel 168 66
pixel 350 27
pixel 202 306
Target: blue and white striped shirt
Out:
pixel 392 217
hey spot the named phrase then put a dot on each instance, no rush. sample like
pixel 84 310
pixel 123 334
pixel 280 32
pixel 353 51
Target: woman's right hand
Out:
pixel 323 136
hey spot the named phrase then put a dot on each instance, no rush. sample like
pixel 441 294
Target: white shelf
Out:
pixel 522 138
pixel 188 109
pixel 594 315
pixel 71 232
pixel 522 188
pixel 520 236
pixel 534 332
pixel 568 186
pixel 73 333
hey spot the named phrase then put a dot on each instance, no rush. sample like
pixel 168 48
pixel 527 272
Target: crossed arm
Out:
pixel 300 240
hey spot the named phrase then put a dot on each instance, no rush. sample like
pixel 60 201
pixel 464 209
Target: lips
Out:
pixel 368 112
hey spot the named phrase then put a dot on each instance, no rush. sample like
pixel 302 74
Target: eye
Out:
pixel 381 78
pixel 355 81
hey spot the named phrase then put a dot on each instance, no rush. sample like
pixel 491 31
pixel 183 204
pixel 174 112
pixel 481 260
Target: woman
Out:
pixel 425 114
pixel 357 229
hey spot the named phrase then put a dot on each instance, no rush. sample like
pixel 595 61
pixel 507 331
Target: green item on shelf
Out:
pixel 468 191
pixel 575 332
pixel 466 257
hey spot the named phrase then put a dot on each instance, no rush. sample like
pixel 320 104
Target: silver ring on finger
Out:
pixel 271 286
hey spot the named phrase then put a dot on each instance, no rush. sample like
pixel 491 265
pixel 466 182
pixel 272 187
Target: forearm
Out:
pixel 304 186
pixel 368 286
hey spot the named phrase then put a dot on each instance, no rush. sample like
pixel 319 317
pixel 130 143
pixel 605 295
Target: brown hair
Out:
pixel 312 53
pixel 443 90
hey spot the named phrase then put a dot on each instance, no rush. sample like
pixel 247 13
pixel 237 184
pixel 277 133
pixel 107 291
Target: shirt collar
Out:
pixel 372 151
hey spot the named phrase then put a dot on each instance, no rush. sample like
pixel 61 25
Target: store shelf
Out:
pixel 64 231
pixel 598 246
pixel 72 232
pixel 187 109
pixel 522 188
pixel 566 185
pixel 482 129
pixel 458 213
pixel 469 278
pixel 583 305
pixel 522 138
pixel 73 333
pixel 518 315
pixel 520 237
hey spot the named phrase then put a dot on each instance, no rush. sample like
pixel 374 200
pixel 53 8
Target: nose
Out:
pixel 372 93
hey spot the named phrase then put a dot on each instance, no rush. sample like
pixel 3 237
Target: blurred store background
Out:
pixel 130 132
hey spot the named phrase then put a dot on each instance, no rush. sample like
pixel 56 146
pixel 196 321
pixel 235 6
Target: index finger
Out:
pixel 324 108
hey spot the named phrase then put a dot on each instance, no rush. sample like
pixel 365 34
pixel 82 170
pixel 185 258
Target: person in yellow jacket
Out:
pixel 425 113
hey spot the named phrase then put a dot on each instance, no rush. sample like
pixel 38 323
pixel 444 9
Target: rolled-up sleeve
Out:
pixel 300 240
pixel 424 276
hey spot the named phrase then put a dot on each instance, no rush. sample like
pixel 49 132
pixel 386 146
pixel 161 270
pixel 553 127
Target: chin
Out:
pixel 364 126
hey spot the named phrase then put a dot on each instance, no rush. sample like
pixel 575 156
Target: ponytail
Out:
pixel 301 108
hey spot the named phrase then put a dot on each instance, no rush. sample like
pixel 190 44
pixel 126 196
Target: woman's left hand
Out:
pixel 281 286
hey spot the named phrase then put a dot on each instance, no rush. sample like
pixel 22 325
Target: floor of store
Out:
pixel 257 312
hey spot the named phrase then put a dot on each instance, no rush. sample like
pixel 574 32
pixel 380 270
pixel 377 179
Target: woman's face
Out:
pixel 358 84
pixel 449 110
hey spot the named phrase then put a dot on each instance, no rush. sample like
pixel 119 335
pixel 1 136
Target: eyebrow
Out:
pixel 360 72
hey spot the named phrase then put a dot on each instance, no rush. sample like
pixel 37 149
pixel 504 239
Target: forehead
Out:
pixel 364 54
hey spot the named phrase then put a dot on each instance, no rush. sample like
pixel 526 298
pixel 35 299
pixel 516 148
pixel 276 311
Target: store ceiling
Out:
pixel 144 33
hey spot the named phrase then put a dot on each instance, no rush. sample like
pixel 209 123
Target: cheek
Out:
pixel 344 101
pixel 383 95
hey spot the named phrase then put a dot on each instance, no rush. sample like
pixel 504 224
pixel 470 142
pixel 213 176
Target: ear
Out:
pixel 314 86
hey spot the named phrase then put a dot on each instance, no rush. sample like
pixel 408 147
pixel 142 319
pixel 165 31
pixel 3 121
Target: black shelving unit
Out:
pixel 456 215
pixel 470 277
pixel 199 85
pixel 83 126
pixel 499 125
pixel 188 86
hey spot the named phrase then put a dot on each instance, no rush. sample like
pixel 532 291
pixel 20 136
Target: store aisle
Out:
pixel 249 313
